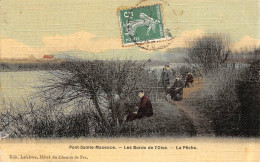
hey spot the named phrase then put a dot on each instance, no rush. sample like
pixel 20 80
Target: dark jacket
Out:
pixel 145 107
pixel 178 84
pixel 189 78
pixel 176 94
pixel 166 77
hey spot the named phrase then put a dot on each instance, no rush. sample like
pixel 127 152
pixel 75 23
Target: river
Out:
pixel 15 86
pixel 18 85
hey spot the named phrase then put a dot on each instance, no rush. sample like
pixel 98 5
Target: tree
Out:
pixel 123 79
pixel 208 52
pixel 106 84
pixel 248 90
pixel 74 81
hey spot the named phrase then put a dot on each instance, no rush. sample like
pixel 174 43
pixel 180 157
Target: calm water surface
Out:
pixel 14 86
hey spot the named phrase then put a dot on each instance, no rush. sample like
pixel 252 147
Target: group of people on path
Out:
pixel 175 89
pixel 145 108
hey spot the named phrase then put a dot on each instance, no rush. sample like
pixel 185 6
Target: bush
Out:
pixel 33 120
pixel 184 70
pixel 248 90
pixel 230 98
pixel 106 89
pixel 208 52
pixel 220 102
pixel 109 85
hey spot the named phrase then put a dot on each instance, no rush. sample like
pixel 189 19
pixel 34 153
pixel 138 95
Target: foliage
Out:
pixel 208 52
pixel 109 85
pixel 230 99
pixel 183 70
pixel 248 90
pixel 218 101
pixel 27 66
pixel 34 120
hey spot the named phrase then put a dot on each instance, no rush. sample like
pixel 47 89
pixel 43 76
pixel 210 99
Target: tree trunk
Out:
pixel 113 110
pixel 120 113
pixel 95 101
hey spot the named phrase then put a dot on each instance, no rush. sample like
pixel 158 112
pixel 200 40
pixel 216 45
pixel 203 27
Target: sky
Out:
pixel 38 27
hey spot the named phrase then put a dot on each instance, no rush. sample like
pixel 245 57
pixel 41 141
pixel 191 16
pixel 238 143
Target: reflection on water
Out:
pixel 18 85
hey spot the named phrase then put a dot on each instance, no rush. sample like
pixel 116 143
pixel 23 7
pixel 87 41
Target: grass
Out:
pixel 167 121
pixel 227 104
pixel 199 120
pixel 41 121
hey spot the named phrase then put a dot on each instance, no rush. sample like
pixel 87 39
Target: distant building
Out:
pixel 48 56
pixel 235 64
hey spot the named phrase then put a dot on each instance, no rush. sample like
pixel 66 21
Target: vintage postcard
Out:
pixel 129 80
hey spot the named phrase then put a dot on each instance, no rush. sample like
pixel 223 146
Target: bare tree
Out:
pixel 106 84
pixel 208 52
pixel 122 79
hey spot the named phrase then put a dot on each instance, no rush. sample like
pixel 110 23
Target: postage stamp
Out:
pixel 142 24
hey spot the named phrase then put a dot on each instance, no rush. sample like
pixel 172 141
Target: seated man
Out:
pixel 145 108
pixel 189 79
pixel 176 90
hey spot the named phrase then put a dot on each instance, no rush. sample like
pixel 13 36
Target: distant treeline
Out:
pixel 244 54
pixel 6 66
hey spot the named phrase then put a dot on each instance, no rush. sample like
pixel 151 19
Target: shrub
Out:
pixel 219 101
pixel 34 120
pixel 184 70
pixel 106 89
pixel 230 98
pixel 99 82
pixel 248 90
pixel 208 52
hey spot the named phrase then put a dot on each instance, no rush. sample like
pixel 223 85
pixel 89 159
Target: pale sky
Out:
pixel 38 27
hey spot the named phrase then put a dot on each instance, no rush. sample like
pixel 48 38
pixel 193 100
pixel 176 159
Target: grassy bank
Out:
pixel 229 101
pixel 34 121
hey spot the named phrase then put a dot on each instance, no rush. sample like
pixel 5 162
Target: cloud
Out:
pixel 11 48
pixel 180 41
pixel 80 41
pixel 186 36
pixel 246 42
pixel 88 42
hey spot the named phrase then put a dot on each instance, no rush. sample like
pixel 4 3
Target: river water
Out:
pixel 15 86
pixel 18 85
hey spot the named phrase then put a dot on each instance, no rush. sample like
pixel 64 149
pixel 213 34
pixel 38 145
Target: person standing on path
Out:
pixel 166 77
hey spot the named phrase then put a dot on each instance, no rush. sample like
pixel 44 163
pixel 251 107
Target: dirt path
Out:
pixel 201 124
pixel 177 118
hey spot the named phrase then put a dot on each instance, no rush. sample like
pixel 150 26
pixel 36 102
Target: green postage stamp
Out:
pixel 141 24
